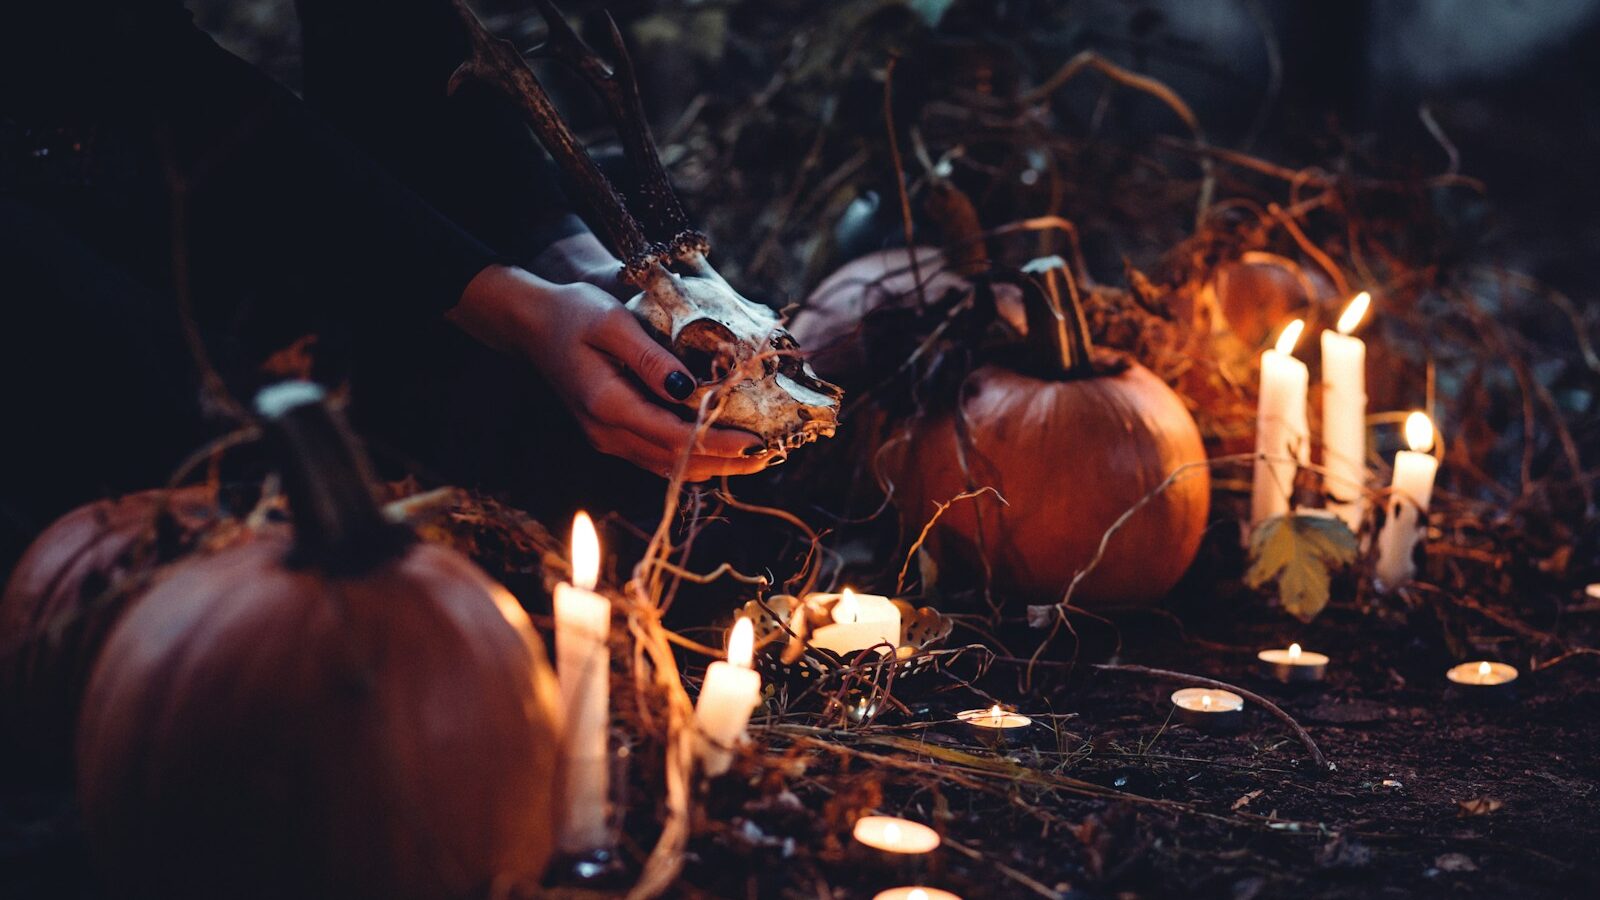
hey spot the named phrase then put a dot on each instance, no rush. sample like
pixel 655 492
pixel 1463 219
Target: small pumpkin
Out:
pixel 1072 437
pixel 829 324
pixel 63 596
pixel 337 712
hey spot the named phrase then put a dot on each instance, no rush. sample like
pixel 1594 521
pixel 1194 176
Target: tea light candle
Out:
pixel 1212 709
pixel 1484 680
pixel 994 725
pixel 915 893
pixel 583 670
pixel 893 835
pixel 729 694
pixel 859 621
pixel 1344 413
pixel 1282 436
pixel 1293 665
pixel 1412 488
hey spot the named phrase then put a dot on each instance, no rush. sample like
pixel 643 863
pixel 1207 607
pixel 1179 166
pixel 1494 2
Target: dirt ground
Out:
pixel 1433 794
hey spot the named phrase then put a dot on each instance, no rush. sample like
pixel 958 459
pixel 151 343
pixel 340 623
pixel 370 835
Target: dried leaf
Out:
pixel 1299 553
pixel 1478 806
pixel 1244 801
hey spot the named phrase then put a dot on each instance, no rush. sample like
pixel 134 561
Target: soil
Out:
pixel 1433 794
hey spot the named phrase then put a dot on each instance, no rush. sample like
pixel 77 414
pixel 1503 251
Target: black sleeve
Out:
pixel 379 70
pixel 257 166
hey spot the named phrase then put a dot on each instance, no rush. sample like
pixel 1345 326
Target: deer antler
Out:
pixel 618 88
pixel 736 349
pixel 497 63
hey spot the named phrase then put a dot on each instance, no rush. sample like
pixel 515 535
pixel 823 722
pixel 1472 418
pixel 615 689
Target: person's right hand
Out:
pixel 586 343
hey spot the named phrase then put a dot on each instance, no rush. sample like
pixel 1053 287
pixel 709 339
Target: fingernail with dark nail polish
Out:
pixel 679 386
pixel 755 449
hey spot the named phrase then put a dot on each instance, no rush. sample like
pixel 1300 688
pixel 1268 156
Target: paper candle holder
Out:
pixel 806 674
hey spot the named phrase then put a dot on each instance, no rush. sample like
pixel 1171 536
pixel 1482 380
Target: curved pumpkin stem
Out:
pixel 1058 332
pixel 338 524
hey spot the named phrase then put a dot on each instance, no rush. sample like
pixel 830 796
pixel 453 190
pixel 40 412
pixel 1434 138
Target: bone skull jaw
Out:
pixel 740 355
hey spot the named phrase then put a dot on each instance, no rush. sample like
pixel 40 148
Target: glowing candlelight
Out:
pixel 848 609
pixel 1484 680
pixel 1211 709
pixel 1412 489
pixel 859 621
pixel 893 835
pixel 915 893
pixel 583 669
pixel 730 692
pixel 1293 665
pixel 1282 435
pixel 1344 413
pixel 994 725
pixel 1482 672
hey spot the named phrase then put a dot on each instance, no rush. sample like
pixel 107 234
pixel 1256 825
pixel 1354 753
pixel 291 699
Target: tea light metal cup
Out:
pixel 1208 709
pixel 1294 665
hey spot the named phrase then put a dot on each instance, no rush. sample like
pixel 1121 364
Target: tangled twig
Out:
pixel 1323 766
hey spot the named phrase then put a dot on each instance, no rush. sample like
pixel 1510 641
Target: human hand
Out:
pixel 583 340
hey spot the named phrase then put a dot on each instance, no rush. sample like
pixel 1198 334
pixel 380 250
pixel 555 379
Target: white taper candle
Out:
pixel 1282 435
pixel 583 668
pixel 1412 490
pixel 1344 414
pixel 729 694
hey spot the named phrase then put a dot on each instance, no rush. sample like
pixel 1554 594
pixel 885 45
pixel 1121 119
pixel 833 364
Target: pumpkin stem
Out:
pixel 1058 332
pixel 338 524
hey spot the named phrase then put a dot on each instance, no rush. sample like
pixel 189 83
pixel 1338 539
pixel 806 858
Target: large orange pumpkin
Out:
pixel 341 713
pixel 63 596
pixel 1072 440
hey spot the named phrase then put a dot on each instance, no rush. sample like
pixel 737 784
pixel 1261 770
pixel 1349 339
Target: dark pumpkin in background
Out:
pixel 64 595
pixel 343 712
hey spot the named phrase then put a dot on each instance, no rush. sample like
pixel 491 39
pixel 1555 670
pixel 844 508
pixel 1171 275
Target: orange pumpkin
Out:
pixel 343 712
pixel 1072 439
pixel 63 596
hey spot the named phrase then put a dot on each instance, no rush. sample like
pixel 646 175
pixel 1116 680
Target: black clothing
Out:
pixel 136 80
pixel 127 134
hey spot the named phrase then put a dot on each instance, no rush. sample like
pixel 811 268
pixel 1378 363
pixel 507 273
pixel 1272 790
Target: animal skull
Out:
pixel 745 362
pixel 737 350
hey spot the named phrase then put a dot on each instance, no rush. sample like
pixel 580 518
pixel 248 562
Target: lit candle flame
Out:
pixel 995 714
pixel 1294 651
pixel 1290 336
pixel 1419 432
pixel 891 833
pixel 585 552
pixel 917 894
pixel 1354 313
pixel 1205 701
pixel 848 610
pixel 1483 671
pixel 742 643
